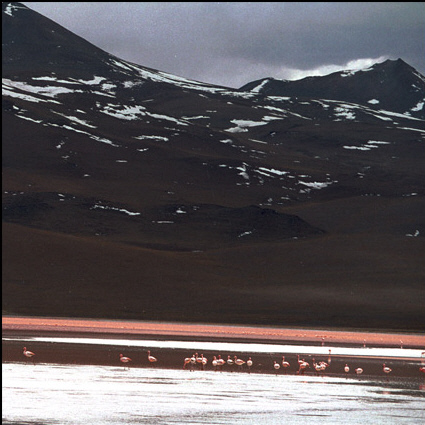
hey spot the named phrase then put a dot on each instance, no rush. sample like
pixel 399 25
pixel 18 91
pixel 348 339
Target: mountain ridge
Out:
pixel 386 88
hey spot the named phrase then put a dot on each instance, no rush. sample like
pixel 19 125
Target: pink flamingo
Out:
pixel 386 369
pixel 151 359
pixel 214 363
pixel 185 362
pixel 249 364
pixel 124 359
pixel 202 361
pixel 229 361
pixel 303 365
pixel 285 364
pixel 239 362
pixel 220 363
pixel 28 354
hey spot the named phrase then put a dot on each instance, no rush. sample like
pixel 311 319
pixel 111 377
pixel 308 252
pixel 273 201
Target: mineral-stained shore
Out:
pixel 18 330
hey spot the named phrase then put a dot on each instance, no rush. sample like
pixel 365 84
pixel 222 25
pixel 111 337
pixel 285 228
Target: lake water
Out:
pixel 54 394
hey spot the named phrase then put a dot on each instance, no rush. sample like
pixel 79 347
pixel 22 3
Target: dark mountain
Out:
pixel 390 85
pixel 132 193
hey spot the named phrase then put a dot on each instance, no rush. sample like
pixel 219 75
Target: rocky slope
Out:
pixel 132 193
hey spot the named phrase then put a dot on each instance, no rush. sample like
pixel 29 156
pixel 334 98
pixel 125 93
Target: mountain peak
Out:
pixel 32 43
pixel 394 64
pixel 391 85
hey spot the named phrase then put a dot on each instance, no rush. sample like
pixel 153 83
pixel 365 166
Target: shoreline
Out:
pixel 18 332
pixel 159 330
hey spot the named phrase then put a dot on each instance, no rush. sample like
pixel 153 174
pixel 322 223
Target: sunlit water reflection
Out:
pixel 74 394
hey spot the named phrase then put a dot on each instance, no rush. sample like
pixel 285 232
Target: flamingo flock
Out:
pixel 200 362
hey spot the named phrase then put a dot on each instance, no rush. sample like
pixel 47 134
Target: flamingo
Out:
pixel 285 364
pixel 316 366
pixel 324 365
pixel 249 364
pixel 220 362
pixel 422 369
pixel 28 354
pixel 204 361
pixel 124 359
pixel 199 360
pixel 359 371
pixel 214 363
pixel 346 368
pixel 319 367
pixel 193 361
pixel 185 362
pixel 230 362
pixel 276 366
pixel 386 369
pixel 151 359
pixel 303 365
pixel 239 362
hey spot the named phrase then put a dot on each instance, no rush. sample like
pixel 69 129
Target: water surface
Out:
pixel 109 395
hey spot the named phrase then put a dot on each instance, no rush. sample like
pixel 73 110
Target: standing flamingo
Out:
pixel 151 359
pixel 239 362
pixel 220 362
pixel 199 360
pixel 422 369
pixel 185 362
pixel 346 368
pixel 202 361
pixel 214 363
pixel 193 361
pixel 386 369
pixel 285 364
pixel 317 366
pixel 323 365
pixel 358 371
pixel 276 366
pixel 28 354
pixel 125 360
pixel 230 363
pixel 303 365
pixel 249 364
pixel 320 367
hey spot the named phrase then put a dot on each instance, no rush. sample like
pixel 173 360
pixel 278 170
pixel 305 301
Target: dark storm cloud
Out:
pixel 233 43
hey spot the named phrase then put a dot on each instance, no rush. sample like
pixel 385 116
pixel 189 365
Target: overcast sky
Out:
pixel 234 43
